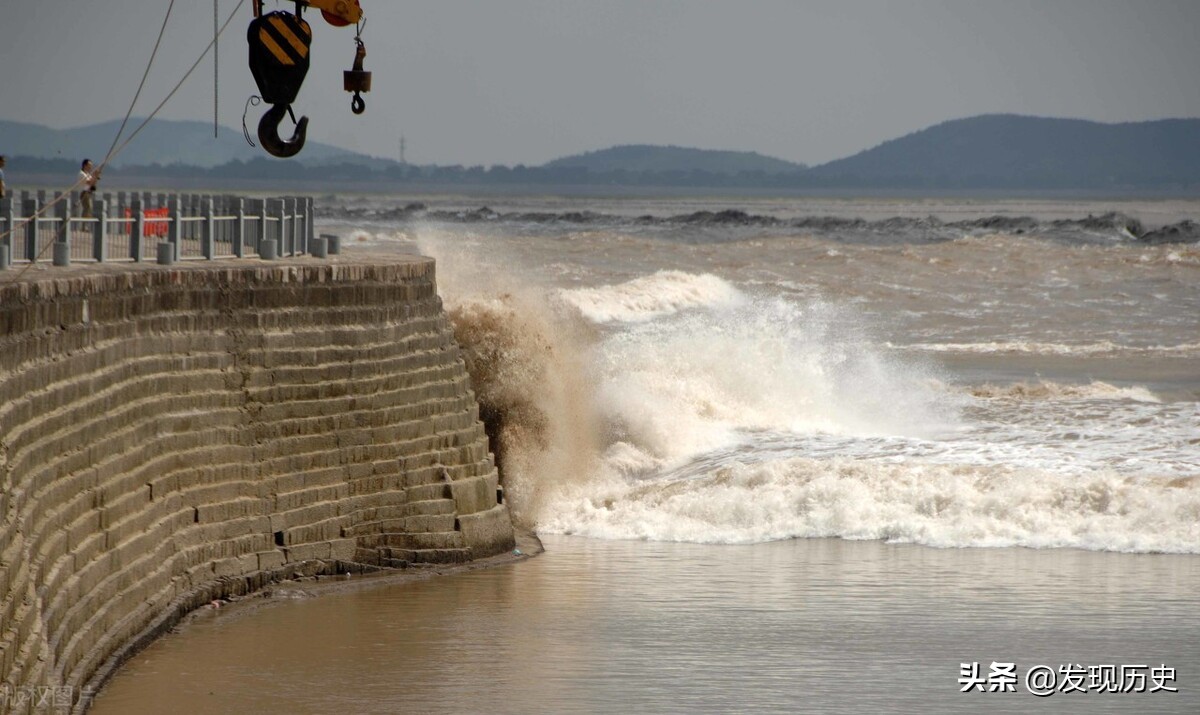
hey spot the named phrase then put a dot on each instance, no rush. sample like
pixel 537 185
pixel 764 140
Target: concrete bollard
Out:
pixel 268 250
pixel 62 253
pixel 166 253
pixel 334 243
pixel 319 247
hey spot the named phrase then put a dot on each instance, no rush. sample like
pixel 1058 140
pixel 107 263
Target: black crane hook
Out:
pixel 268 132
pixel 356 79
pixel 279 44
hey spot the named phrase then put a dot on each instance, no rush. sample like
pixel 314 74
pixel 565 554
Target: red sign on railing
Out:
pixel 153 228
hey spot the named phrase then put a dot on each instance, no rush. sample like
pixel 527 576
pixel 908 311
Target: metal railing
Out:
pixel 130 226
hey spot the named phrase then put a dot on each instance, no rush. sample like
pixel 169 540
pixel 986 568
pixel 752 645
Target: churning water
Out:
pixel 744 378
pixel 945 375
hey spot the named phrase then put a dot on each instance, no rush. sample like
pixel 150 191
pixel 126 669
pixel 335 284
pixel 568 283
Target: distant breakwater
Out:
pixel 173 436
pixel 1112 224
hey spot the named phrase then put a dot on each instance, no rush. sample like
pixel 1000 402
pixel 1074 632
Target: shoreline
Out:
pixel 528 546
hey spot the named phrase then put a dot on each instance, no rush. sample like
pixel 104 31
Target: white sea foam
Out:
pixel 1018 347
pixel 760 419
pixel 1045 390
pixel 1043 348
pixel 648 297
pixel 686 384
pixel 931 504
pixel 730 416
pixel 363 236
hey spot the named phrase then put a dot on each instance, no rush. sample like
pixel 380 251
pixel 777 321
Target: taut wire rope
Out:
pixel 141 84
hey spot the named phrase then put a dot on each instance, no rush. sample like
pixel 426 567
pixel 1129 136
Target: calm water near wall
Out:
pixel 591 626
pixel 994 405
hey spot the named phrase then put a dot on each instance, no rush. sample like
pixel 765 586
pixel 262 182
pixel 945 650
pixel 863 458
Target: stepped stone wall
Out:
pixel 174 435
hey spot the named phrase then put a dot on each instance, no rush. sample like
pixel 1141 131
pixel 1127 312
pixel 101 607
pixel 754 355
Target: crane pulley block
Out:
pixel 279 43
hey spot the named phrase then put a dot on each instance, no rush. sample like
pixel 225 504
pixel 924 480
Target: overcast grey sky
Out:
pixel 525 81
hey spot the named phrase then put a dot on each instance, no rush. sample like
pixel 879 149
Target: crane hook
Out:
pixel 356 79
pixel 279 44
pixel 268 132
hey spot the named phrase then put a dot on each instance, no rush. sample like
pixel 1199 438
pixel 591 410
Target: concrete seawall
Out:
pixel 169 436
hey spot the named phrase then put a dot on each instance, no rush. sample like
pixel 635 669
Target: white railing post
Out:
pixel 11 211
pixel 60 204
pixel 138 229
pixel 61 250
pixel 173 228
pixel 32 207
pixel 206 236
pixel 100 237
pixel 239 229
pixel 10 225
pixel 197 211
pixel 262 223
pixel 280 232
pixel 298 244
pixel 308 217
pixel 284 237
pixel 228 226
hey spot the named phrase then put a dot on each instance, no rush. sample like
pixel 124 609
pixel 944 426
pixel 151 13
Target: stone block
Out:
pixel 307 552
pixel 473 495
pixel 248 563
pixel 271 560
pixel 488 532
pixel 441 556
pixel 342 549
pixel 432 540
pixel 429 523
pixel 436 490
pixel 229 567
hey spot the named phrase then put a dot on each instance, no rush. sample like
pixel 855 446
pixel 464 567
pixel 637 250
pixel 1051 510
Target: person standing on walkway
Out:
pixel 3 188
pixel 88 176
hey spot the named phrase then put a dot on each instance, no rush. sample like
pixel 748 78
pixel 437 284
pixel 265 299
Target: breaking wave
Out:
pixel 528 377
pixel 1056 391
pixel 679 406
pixel 705 379
pixel 1039 348
pixel 642 299
pixel 930 504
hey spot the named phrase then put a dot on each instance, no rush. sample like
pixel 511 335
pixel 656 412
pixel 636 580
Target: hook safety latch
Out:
pixel 357 80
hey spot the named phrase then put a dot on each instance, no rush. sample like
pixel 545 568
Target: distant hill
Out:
pixel 997 152
pixel 161 142
pixel 640 158
pixel 1005 150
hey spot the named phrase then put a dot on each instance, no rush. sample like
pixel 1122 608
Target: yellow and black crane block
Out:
pixel 279 43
